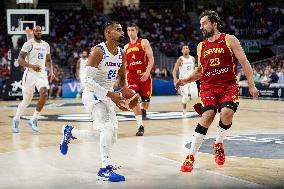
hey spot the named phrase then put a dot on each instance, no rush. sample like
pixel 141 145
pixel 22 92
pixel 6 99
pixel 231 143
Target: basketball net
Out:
pixel 29 33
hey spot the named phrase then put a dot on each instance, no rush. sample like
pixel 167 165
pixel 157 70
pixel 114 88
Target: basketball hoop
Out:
pixel 29 33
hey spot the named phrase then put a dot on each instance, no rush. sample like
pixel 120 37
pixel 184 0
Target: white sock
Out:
pixel 35 115
pixel 85 134
pixel 196 142
pixel 221 134
pixel 139 120
pixel 184 111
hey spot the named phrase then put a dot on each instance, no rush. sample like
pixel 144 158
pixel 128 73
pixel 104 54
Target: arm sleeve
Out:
pixel 92 85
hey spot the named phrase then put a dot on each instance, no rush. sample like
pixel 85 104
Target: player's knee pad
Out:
pixel 223 126
pixel 209 107
pixel 229 104
pixel 184 99
pixel 145 99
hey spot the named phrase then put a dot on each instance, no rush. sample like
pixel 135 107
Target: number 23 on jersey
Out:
pixel 215 62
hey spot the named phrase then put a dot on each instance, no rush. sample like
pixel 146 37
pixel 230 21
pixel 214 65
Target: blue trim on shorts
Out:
pixel 95 97
pixel 26 75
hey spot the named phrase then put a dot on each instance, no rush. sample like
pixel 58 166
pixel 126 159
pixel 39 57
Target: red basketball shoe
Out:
pixel 187 165
pixel 219 153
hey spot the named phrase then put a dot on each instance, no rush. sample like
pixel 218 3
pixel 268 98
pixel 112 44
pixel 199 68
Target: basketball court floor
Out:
pixel 254 149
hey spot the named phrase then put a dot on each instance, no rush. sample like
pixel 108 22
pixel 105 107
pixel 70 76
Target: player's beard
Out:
pixel 208 33
pixel 37 37
pixel 121 39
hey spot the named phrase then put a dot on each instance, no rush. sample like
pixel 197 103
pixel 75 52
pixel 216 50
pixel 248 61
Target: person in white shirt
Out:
pixel 106 65
pixel 35 57
pixel 281 77
pixel 185 65
pixel 81 68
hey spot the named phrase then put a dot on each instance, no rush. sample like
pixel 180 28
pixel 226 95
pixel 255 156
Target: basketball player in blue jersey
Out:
pixel 106 64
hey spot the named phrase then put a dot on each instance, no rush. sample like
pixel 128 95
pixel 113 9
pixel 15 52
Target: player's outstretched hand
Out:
pixel 117 99
pixel 36 68
pixel 254 91
pixel 180 82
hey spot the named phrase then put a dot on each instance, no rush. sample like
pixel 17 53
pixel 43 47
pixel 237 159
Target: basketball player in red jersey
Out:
pixel 217 70
pixel 139 62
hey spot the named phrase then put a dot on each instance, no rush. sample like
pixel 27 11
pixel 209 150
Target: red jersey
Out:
pixel 136 57
pixel 218 63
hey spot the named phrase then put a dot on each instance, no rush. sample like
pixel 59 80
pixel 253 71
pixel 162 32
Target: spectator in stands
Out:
pixel 281 77
pixel 264 78
pixel 56 85
pixel 4 66
pixel 157 72
pixel 243 82
pixel 153 74
pixel 256 78
pixel 273 76
pixel 165 72
pixel 278 71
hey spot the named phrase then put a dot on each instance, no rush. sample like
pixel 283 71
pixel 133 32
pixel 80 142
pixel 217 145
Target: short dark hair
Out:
pixel 132 24
pixel 109 24
pixel 212 17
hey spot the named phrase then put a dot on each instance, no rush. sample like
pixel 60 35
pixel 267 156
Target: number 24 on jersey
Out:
pixel 112 74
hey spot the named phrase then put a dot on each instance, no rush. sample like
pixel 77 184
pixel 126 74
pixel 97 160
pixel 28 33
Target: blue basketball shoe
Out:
pixel 107 174
pixel 33 125
pixel 15 125
pixel 67 137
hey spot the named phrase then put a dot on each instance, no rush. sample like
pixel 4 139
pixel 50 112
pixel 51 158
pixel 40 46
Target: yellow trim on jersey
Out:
pixel 234 68
pixel 199 57
pixel 199 53
pixel 200 100
pixel 145 54
pixel 151 86
pixel 142 45
pixel 227 44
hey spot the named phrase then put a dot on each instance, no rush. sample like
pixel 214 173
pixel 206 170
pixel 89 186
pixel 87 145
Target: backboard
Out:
pixel 18 20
